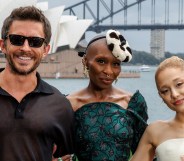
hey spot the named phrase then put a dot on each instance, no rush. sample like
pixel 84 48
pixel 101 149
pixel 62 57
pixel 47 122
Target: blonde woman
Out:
pixel 165 139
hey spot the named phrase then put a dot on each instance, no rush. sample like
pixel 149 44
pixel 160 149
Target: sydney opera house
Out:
pixel 67 31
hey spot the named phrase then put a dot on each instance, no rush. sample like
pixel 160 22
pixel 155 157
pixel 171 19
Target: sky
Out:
pixel 140 39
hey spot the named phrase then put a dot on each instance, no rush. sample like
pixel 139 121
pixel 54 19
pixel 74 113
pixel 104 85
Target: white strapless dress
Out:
pixel 170 150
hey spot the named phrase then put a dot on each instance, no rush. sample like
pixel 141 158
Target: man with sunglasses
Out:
pixel 33 115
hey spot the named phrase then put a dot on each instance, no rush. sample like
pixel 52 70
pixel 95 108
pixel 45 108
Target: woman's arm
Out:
pixel 145 150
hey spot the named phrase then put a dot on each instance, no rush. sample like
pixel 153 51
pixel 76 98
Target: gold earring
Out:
pixel 116 80
pixel 85 71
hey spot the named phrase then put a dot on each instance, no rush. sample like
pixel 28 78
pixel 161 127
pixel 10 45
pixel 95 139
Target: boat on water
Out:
pixel 144 68
pixel 57 76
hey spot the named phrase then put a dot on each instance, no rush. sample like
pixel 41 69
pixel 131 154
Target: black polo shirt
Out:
pixel 29 129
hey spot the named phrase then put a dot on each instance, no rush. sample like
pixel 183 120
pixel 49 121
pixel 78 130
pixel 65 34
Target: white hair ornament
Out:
pixel 118 45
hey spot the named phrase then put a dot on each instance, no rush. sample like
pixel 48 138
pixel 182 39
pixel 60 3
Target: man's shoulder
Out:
pixel 46 87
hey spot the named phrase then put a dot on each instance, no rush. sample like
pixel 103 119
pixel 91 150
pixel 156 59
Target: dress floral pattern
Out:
pixel 106 131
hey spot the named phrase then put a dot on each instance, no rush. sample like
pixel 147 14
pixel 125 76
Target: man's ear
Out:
pixel 46 51
pixel 2 46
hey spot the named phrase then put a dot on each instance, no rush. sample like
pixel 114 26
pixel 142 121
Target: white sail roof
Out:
pixel 75 30
pixel 53 16
pixel 62 37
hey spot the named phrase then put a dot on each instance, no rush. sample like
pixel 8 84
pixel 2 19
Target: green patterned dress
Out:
pixel 106 131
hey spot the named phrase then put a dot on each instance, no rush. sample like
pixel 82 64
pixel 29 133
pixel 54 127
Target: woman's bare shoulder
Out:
pixel 156 128
pixel 122 97
pixel 160 131
pixel 123 94
pixel 76 99
pixel 74 95
pixel 158 125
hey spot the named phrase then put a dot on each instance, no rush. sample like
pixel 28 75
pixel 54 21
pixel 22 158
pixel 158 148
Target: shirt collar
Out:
pixel 42 86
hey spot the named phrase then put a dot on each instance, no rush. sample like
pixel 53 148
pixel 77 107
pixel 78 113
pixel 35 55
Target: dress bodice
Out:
pixel 170 150
pixel 106 131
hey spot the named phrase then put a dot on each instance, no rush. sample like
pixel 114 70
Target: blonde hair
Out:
pixel 172 62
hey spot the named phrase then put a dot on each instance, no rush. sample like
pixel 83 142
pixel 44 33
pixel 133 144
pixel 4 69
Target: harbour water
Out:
pixel 157 110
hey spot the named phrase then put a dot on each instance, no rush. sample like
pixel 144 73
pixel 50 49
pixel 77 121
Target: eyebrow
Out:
pixel 176 79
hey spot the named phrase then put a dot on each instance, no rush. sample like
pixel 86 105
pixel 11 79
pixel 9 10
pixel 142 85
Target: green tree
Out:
pixel 142 57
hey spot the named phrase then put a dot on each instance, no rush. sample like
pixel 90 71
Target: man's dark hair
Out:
pixel 27 13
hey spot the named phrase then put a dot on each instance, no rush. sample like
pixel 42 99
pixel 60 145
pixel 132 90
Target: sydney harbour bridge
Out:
pixel 153 15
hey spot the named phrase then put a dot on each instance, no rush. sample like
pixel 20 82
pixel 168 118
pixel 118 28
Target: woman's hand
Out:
pixel 67 158
pixel 63 158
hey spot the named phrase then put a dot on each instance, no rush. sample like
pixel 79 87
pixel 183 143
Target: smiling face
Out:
pixel 171 87
pixel 24 59
pixel 103 67
pixel 170 83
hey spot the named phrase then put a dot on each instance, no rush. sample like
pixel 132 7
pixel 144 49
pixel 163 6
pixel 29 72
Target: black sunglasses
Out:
pixel 18 40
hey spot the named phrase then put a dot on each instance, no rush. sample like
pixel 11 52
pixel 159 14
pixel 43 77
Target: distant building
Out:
pixel 157 45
